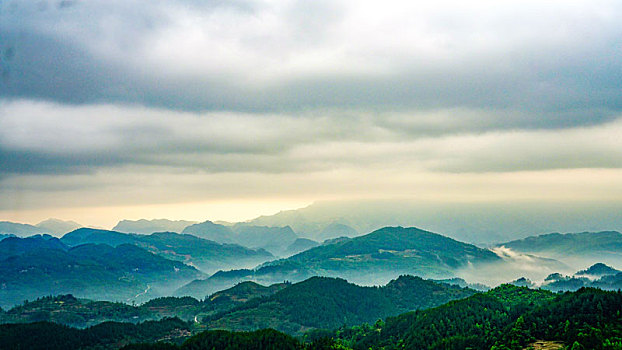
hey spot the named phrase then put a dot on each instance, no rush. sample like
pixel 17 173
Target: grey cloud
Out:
pixel 94 138
pixel 123 52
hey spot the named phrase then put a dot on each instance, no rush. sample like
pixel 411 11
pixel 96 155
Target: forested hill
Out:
pixel 505 318
pixel 71 311
pixel 400 247
pixel 322 302
pixel 374 258
pixel 108 335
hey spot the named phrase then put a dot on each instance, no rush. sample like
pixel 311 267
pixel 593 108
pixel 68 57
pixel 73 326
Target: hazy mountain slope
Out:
pixel 209 230
pixel 150 226
pixel 125 272
pixel 596 276
pixel 300 245
pixel 20 230
pixel 336 229
pixel 598 270
pixel 201 288
pixel 391 250
pixel 58 227
pixel 273 239
pixel 574 248
pixel 322 302
pixel 374 258
pixel 206 255
pixel 469 222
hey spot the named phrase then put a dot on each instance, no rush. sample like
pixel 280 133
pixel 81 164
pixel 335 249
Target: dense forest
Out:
pixel 505 318
pixel 323 302
pixel 107 335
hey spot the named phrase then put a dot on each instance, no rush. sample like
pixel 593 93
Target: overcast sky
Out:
pixel 230 109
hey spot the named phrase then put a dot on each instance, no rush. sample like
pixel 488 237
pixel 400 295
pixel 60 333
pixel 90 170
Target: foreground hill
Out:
pixel 77 312
pixel 37 266
pixel 322 302
pixel 71 311
pixel 504 318
pixel 108 335
pixel 204 254
pixel 150 226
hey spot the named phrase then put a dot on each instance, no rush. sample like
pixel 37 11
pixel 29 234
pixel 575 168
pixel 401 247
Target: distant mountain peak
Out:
pixel 145 226
pixel 598 270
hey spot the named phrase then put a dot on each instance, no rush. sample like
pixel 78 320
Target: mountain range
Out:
pixel 322 302
pixel 504 318
pixel 206 255
pixel 480 223
pixel 277 240
pixel 596 276
pixel 575 248
pixel 43 265
pixel 150 226
pixel 318 302
pixel 53 227
pixel 20 230
pixel 374 258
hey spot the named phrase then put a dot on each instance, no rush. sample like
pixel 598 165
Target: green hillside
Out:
pixel 108 335
pixel 322 302
pixel 37 267
pixel 373 258
pixel 504 318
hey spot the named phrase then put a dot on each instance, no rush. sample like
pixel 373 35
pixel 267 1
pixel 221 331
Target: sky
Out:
pixel 226 110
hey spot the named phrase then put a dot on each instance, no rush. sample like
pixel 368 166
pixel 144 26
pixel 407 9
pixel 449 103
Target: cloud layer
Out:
pixel 540 65
pixel 306 99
